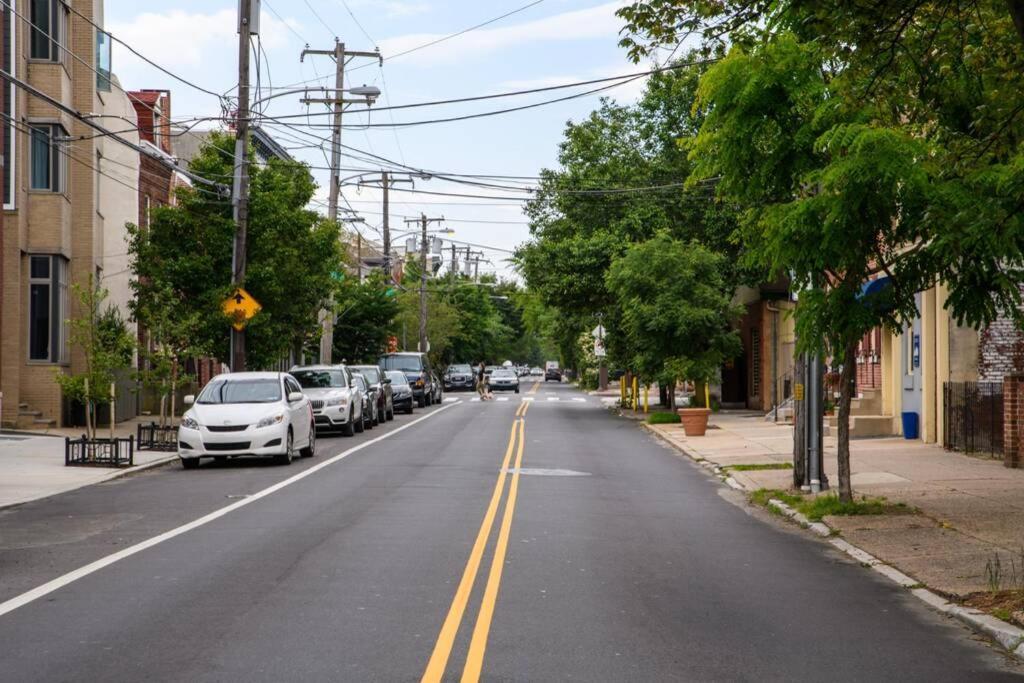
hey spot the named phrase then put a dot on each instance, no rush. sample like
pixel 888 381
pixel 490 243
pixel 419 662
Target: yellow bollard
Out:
pixel 707 396
pixel 647 388
pixel 636 393
pixel 622 391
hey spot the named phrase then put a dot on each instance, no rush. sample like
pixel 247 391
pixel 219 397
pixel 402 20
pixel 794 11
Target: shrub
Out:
pixel 662 418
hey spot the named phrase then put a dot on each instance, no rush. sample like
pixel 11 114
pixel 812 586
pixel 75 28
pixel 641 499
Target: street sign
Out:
pixel 240 307
pixel 599 351
pixel 598 332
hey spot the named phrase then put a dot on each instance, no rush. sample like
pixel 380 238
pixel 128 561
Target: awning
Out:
pixel 872 292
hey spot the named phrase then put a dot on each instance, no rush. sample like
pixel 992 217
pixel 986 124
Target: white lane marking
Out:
pixel 502 398
pixel 580 400
pixel 527 398
pixel 553 398
pixel 474 400
pixel 61 581
pixel 450 400
pixel 546 472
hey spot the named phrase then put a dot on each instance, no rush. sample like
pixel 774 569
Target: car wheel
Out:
pixel 421 401
pixel 376 416
pixel 289 446
pixel 349 428
pixel 189 463
pixel 391 413
pixel 517 390
pixel 359 425
pixel 310 450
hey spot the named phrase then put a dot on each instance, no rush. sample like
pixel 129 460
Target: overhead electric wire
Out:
pixel 38 94
pixel 141 56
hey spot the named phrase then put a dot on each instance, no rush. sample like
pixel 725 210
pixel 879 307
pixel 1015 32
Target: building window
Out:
pixel 146 206
pixel 103 60
pixel 48 306
pixel 755 362
pixel 49 27
pixel 47 157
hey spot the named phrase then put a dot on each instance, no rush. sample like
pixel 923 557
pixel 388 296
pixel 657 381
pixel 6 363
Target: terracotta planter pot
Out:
pixel 695 420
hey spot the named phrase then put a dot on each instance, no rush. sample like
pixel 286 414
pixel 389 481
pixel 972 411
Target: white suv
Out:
pixel 247 413
pixel 336 399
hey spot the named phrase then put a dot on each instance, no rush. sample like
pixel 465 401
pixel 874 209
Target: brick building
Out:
pixel 156 178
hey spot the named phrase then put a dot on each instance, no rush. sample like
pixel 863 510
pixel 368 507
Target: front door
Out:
pixel 910 366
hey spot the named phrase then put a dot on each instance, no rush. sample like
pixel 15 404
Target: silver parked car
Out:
pixel 337 400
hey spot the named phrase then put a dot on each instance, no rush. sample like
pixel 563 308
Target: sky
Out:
pixel 551 42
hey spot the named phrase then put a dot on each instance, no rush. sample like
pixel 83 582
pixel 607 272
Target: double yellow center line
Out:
pixel 478 644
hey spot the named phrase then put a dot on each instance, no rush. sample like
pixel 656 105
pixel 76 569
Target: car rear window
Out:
pixel 403 363
pixel 319 379
pixel 370 372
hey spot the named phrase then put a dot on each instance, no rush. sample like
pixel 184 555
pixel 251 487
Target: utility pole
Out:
pixel 240 184
pixel 385 183
pixel 455 264
pixel 423 221
pixel 337 103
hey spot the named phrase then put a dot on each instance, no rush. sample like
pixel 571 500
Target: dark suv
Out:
pixel 458 376
pixel 380 388
pixel 416 367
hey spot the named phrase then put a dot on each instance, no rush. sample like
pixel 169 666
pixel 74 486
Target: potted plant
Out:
pixel 701 372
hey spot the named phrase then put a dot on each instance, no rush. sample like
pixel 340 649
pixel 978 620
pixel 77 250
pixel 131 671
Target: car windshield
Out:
pixel 241 391
pixel 398 378
pixel 459 369
pixel 360 381
pixel 504 373
pixel 320 379
pixel 403 363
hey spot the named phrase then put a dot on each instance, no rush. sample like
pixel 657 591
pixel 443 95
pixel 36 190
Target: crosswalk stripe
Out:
pixel 553 398
pixel 502 398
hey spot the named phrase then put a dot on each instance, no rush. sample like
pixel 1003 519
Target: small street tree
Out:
pixel 676 310
pixel 102 338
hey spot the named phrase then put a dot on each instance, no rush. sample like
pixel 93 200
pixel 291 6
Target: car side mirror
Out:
pixel 295 396
pixel 351 384
pixel 190 399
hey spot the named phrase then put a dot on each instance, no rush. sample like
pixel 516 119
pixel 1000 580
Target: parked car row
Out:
pixel 278 414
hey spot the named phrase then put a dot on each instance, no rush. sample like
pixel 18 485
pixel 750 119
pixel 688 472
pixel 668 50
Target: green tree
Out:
pixel 676 312
pixel 292 253
pixel 366 314
pixel 106 347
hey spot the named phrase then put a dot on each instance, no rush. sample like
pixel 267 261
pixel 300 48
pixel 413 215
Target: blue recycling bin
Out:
pixel 910 424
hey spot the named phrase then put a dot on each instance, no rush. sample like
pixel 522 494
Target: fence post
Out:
pixel 1012 408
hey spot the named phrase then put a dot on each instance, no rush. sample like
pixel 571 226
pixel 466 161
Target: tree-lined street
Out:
pixel 623 562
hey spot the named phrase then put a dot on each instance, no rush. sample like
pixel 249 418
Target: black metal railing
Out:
pixel 973 414
pixel 153 437
pixel 116 452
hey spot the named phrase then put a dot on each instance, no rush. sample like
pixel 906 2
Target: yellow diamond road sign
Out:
pixel 240 307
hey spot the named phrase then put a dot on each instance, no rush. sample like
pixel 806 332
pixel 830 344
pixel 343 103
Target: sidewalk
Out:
pixel 32 464
pixel 970 508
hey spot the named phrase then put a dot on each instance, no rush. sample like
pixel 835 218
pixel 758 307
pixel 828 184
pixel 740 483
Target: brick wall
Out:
pixel 1000 350
pixel 1013 419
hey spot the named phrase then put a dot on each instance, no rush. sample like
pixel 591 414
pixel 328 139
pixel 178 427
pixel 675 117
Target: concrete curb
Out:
pixel 114 474
pixel 1008 636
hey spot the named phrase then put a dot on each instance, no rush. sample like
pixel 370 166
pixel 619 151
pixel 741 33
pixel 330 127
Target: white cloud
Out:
pixel 393 8
pixel 593 22
pixel 177 39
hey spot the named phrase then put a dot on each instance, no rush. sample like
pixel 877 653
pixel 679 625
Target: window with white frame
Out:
pixel 47 158
pixel 49 29
pixel 48 308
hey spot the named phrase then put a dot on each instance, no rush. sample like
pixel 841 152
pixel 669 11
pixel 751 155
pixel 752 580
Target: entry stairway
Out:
pixel 866 418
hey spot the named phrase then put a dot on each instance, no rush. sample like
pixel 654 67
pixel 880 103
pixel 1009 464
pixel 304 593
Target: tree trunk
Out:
pixel 671 391
pixel 799 414
pixel 846 386
pixel 1016 8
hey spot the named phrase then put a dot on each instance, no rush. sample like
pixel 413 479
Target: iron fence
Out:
pixel 153 437
pixel 973 417
pixel 116 452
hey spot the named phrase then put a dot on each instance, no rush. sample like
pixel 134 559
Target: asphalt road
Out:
pixel 616 561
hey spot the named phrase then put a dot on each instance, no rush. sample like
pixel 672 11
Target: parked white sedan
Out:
pixel 247 413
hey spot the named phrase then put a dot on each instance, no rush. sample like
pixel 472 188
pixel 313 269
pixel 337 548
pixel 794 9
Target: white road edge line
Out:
pixel 61 581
